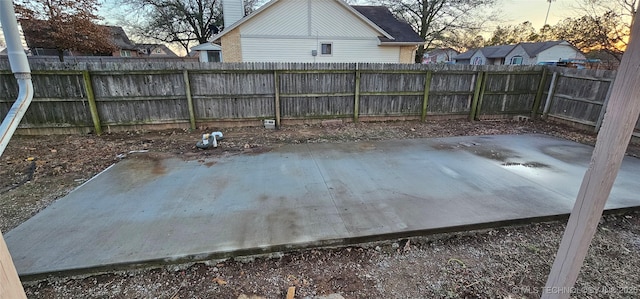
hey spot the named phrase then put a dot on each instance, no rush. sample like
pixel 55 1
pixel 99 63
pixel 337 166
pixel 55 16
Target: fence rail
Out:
pixel 71 97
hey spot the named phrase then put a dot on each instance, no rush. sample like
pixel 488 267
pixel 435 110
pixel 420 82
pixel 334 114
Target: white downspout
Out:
pixel 11 285
pixel 20 69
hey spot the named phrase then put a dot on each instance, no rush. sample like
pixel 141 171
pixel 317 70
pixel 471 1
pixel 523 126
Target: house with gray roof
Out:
pixel 521 54
pixel 154 50
pixel 125 47
pixel 315 31
pixel 440 55
pixel 543 52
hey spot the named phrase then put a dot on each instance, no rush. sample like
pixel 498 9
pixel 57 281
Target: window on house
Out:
pixel 214 56
pixel 326 48
pixel 516 60
pixel 125 53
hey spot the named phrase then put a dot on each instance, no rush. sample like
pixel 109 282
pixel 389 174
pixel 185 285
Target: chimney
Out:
pixel 232 11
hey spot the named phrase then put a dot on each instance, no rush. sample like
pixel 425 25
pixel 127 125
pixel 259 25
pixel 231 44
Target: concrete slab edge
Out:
pixel 284 248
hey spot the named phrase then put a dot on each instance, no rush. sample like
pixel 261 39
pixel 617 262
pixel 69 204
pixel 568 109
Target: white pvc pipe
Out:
pixel 215 138
pixel 21 70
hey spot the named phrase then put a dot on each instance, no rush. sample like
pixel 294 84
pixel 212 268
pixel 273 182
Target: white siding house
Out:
pixel 562 51
pixel 493 55
pixel 444 55
pixel 478 58
pixel 318 31
pixel 521 54
pixel 535 53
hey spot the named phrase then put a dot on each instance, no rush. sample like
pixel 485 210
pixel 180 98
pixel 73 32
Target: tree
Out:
pixel 612 21
pixel 513 34
pixel 439 20
pixel 176 21
pixel 607 33
pixel 461 40
pixel 64 25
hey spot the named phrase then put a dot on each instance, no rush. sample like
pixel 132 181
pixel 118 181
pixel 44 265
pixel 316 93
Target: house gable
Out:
pixel 287 17
pixel 329 18
pixel 465 57
pixel 478 58
pixel 560 51
pixel 519 51
pixel 283 14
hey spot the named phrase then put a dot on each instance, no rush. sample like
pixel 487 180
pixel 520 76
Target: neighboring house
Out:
pixel 315 31
pixel 125 48
pixel 521 54
pixel 154 50
pixel 442 55
pixel 488 55
pixel 542 52
pixel 208 52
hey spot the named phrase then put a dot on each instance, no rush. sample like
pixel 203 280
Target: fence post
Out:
pixel 477 95
pixel 187 90
pixel 276 82
pixel 550 94
pixel 538 99
pixel 86 77
pixel 356 97
pixel 425 100
pixel 603 110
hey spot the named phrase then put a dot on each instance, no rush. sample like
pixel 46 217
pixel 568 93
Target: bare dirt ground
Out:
pixel 510 262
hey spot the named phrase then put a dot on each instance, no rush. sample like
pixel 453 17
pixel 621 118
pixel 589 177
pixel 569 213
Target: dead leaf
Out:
pixel 291 292
pixel 407 246
pixel 220 281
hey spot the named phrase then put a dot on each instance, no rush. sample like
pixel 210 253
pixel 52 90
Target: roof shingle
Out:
pixel 383 18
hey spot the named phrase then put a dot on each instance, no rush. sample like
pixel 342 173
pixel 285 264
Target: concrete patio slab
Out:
pixel 152 210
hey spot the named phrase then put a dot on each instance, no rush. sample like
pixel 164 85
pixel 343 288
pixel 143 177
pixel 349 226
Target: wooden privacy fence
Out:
pixel 577 96
pixel 92 97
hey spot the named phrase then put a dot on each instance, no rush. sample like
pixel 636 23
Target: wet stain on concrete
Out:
pixel 444 146
pixel 532 164
pixel 148 163
pixel 210 163
pixel 263 197
pixel 283 224
pixel 496 154
pixel 141 169
pixel 535 165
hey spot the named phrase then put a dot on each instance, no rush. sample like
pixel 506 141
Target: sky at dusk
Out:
pixel 518 11
pixel 512 12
